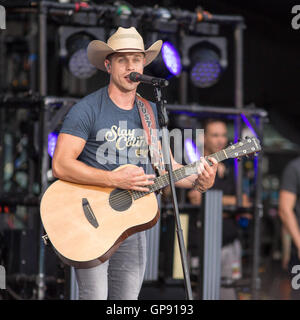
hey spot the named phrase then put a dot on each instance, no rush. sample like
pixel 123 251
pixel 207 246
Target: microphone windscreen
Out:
pixel 133 76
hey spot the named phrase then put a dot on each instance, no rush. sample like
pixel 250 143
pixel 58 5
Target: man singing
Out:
pixel 102 132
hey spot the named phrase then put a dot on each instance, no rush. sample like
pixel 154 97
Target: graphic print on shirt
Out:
pixel 122 145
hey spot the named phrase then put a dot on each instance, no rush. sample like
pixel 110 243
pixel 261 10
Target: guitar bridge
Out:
pixel 89 214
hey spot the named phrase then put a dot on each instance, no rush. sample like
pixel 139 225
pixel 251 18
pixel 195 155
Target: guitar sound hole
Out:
pixel 120 200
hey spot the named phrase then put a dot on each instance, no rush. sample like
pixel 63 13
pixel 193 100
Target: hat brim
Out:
pixel 97 51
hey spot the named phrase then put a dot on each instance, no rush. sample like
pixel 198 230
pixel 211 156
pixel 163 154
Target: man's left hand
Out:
pixel 206 173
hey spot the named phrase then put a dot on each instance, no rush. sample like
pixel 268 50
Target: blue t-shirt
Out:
pixel 114 136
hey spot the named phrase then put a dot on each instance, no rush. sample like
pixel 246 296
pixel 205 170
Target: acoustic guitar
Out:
pixel 86 224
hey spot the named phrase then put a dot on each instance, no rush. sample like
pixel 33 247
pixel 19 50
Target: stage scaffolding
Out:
pixel 53 109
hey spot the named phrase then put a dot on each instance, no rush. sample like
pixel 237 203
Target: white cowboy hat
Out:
pixel 123 40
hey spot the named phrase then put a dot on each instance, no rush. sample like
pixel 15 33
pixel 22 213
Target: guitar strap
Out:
pixel 151 134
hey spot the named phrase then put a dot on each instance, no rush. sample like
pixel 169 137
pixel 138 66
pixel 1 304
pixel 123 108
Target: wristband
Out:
pixel 197 187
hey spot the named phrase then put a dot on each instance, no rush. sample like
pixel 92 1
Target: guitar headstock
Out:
pixel 244 147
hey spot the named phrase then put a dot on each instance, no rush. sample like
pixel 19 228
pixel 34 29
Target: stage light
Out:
pixel 191 142
pixel 162 13
pixel 164 27
pixel 205 58
pixel 124 10
pixel 206 68
pixel 73 45
pixel 171 58
pixel 205 73
pixel 124 17
pixel 52 139
pixel 168 62
pixel 191 150
pixel 79 64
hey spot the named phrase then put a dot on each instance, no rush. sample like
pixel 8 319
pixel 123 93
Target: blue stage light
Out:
pixel 80 66
pixel 171 58
pixel 52 139
pixel 191 150
pixel 206 69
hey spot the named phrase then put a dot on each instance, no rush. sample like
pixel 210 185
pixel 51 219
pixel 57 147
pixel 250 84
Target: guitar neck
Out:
pixel 179 174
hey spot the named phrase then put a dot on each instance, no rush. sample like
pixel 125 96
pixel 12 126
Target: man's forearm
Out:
pixel 78 172
pixel 289 220
pixel 229 200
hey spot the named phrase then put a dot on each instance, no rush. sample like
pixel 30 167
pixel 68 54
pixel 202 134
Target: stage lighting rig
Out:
pixel 163 21
pixel 124 15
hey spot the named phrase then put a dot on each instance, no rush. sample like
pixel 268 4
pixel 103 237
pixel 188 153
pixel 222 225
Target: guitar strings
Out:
pixel 120 196
pixel 164 178
pixel 123 194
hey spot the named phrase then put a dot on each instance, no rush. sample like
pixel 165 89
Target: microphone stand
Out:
pixel 163 122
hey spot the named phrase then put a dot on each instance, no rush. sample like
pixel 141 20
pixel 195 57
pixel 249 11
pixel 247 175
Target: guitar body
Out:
pixel 86 224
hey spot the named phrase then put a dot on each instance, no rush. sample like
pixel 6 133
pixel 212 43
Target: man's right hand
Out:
pixel 133 178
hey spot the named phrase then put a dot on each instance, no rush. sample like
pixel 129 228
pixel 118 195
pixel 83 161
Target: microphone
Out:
pixel 137 77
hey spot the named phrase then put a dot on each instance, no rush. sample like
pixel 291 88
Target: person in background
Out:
pixel 216 139
pixel 289 212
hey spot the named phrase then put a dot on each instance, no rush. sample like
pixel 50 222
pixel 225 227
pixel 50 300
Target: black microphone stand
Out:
pixel 163 122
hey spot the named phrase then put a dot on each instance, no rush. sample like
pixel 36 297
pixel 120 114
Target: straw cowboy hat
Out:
pixel 123 40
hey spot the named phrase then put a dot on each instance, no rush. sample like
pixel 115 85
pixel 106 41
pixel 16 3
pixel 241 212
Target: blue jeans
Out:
pixel 120 277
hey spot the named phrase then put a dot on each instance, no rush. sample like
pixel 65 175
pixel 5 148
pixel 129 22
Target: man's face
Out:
pixel 215 138
pixel 121 65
